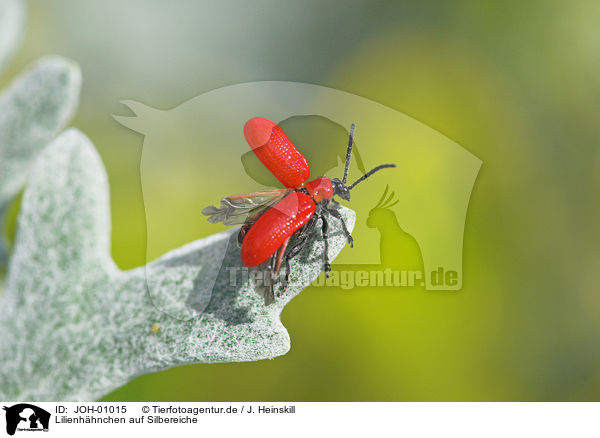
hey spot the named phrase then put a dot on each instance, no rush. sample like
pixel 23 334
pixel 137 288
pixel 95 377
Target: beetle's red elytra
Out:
pixel 276 152
pixel 276 223
pixel 275 226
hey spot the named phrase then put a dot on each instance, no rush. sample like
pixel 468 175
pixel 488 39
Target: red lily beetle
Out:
pixel 277 223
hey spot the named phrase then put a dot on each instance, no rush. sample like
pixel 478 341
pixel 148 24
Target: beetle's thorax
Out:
pixel 319 189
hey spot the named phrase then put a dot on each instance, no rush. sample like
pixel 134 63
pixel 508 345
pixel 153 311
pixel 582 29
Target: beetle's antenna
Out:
pixel 348 152
pixel 369 173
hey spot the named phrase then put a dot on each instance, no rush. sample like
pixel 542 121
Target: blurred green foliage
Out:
pixel 515 83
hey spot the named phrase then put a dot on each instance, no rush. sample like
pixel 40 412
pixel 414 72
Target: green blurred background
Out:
pixel 515 83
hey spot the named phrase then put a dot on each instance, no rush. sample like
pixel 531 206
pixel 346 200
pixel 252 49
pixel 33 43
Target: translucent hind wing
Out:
pixel 234 210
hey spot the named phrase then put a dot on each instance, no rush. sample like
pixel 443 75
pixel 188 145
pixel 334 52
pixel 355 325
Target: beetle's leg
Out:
pixel 325 231
pixel 265 285
pixel 304 236
pixel 293 253
pixel 300 238
pixel 277 259
pixel 241 234
pixel 244 230
pixel 336 214
pixel 286 278
pixel 280 253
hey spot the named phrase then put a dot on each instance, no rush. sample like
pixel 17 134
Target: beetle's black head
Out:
pixel 340 189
